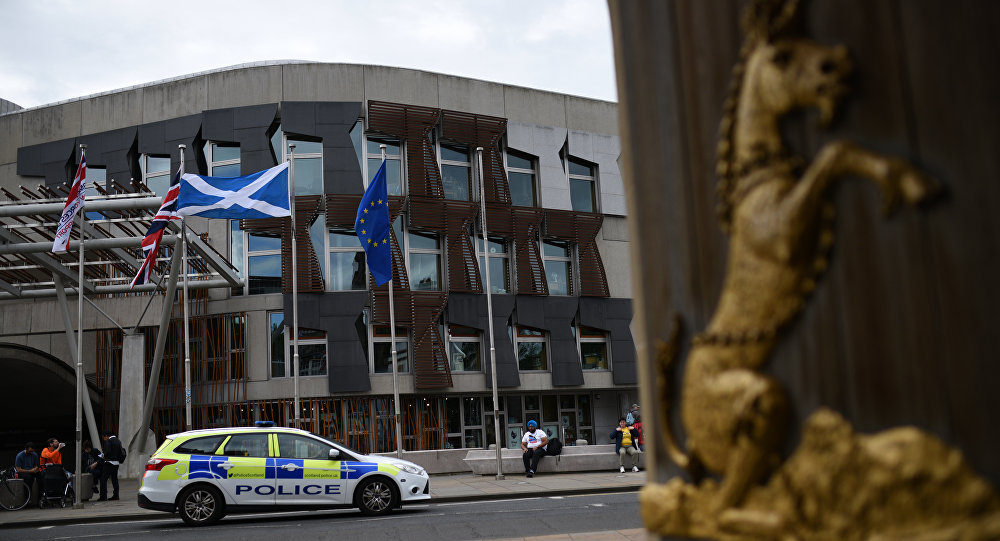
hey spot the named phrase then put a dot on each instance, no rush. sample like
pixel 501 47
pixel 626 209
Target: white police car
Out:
pixel 204 474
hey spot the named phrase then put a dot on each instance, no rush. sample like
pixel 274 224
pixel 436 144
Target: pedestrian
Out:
pixel 533 447
pixel 26 465
pixel 626 442
pixel 638 428
pixel 631 414
pixel 114 455
pixel 90 462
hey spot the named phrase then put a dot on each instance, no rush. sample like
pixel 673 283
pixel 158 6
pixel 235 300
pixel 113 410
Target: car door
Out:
pixel 305 472
pixel 244 469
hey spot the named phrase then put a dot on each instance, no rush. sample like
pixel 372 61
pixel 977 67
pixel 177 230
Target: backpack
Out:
pixel 629 419
pixel 554 447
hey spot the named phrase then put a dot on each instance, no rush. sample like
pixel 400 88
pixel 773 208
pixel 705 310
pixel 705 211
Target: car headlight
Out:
pixel 410 468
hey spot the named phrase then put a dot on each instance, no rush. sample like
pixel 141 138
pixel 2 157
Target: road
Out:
pixel 526 517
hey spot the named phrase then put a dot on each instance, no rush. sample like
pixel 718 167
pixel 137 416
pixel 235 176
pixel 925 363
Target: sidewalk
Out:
pixel 444 488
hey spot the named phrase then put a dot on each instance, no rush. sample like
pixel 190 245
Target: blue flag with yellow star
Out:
pixel 372 226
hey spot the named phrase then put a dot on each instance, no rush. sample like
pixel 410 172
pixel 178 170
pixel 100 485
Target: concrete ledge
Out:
pixel 438 460
pixel 572 458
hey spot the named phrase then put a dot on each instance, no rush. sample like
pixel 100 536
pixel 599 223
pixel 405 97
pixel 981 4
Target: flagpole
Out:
pixel 395 368
pixel 489 314
pixel 187 314
pixel 78 484
pixel 295 286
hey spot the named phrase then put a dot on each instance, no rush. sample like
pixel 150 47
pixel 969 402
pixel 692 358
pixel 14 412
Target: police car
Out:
pixel 204 474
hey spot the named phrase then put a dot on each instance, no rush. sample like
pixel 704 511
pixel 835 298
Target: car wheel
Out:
pixel 200 505
pixel 376 496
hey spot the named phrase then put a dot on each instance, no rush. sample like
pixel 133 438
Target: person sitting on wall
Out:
pixel 626 442
pixel 533 447
pixel 26 464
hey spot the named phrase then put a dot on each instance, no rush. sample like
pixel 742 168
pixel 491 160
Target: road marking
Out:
pixel 45 527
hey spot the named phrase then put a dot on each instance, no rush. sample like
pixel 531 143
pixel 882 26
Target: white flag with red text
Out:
pixel 73 205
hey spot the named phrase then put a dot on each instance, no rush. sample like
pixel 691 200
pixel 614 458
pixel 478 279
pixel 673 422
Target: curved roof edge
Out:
pixel 265 63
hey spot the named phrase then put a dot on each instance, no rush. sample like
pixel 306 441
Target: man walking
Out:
pixel 533 447
pixel 626 442
pixel 114 455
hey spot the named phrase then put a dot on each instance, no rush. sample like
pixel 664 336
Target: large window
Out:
pixel 558 259
pixel 263 263
pixel 312 349
pixel 308 165
pixel 393 162
pixel 521 178
pixel 499 263
pixel 424 250
pixel 456 171
pixel 97 180
pixel 464 349
pixel 382 346
pixel 155 173
pixel 593 346
pixel 531 351
pixel 582 185
pixel 223 159
pixel 347 261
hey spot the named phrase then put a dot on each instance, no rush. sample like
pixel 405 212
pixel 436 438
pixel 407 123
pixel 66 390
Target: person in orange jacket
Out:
pixel 52 454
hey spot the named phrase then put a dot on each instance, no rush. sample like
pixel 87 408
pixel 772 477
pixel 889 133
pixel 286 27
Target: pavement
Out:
pixel 444 488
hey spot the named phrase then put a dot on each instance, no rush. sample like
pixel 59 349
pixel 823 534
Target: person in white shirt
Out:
pixel 533 446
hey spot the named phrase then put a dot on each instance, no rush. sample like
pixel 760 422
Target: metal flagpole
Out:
pixel 395 368
pixel 295 286
pixel 78 483
pixel 489 314
pixel 187 315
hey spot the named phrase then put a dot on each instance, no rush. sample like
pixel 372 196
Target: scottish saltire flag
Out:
pixel 77 195
pixel 151 242
pixel 263 194
pixel 372 226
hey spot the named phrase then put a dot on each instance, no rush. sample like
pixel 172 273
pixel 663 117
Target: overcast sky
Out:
pixel 58 50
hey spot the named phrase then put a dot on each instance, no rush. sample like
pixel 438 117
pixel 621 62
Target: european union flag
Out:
pixel 372 226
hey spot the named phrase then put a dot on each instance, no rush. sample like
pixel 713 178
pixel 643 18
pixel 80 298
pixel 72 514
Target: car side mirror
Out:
pixel 334 454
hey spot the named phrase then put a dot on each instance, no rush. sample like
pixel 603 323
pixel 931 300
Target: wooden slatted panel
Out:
pixel 527 225
pixel 412 124
pixel 581 228
pixel 484 131
pixel 420 311
pixel 310 274
pixel 454 220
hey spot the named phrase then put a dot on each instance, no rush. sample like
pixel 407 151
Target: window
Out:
pixel 593 346
pixel 424 251
pixel 347 261
pixel 393 162
pixel 308 165
pixel 97 179
pixel 557 257
pixel 521 178
pixel 294 446
pixel 254 445
pixel 263 262
pixel 155 173
pixel 530 344
pixel 223 159
pixel 582 185
pixel 200 446
pixel 456 171
pixel 382 346
pixel 312 349
pixel 464 349
pixel 472 412
pixel 499 268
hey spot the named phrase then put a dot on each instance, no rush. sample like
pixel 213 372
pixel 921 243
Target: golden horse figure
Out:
pixel 777 211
